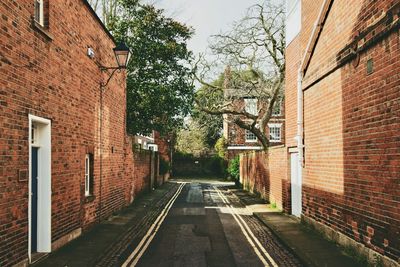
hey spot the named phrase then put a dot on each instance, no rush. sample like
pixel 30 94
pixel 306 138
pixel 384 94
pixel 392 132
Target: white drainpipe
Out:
pixel 299 136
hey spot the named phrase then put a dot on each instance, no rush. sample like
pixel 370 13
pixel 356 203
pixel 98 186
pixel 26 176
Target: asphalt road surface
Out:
pixel 204 224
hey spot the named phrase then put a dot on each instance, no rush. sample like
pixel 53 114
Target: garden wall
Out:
pixel 265 173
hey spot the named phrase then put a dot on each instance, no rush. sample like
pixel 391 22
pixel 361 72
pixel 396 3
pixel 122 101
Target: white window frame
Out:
pixel 246 134
pixel 251 105
pixel 279 103
pixel 35 135
pixel 275 125
pixel 41 12
pixel 87 176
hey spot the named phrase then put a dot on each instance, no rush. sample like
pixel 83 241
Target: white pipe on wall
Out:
pixel 299 136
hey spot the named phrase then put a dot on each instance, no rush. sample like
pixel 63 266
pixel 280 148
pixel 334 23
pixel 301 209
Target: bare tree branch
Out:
pixel 254 50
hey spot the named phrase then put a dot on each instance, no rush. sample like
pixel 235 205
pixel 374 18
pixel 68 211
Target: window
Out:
pixel 276 111
pixel 34 135
pixel 251 105
pixel 39 16
pixel 250 137
pixel 88 175
pixel 274 133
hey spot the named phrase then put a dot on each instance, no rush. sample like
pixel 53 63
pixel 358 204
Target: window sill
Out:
pixel 42 30
pixel 89 199
pixel 251 141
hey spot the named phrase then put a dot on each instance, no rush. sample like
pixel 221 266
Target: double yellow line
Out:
pixel 260 251
pixel 135 256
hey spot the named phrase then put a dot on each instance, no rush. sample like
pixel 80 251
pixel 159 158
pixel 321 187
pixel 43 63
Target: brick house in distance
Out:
pixel 59 125
pixel 240 140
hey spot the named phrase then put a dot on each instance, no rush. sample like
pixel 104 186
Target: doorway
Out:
pixel 296 184
pixel 39 208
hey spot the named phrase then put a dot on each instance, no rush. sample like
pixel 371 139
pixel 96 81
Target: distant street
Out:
pixel 204 224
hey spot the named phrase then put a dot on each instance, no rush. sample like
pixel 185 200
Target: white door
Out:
pixel 39 208
pixel 295 180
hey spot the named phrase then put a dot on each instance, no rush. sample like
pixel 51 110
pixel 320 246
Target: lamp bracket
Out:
pixel 104 69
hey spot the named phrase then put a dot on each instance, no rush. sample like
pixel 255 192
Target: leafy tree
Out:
pixel 191 140
pixel 159 84
pixel 254 50
pixel 220 147
pixel 234 168
pixel 212 125
pixel 106 9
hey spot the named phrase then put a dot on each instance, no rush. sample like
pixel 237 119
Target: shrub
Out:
pixel 164 166
pixel 220 147
pixel 234 168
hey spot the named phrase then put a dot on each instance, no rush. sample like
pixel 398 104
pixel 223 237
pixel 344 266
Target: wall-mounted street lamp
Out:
pixel 122 55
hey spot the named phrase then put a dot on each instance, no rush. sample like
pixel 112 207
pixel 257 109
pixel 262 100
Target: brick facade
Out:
pixel 46 72
pixel 351 91
pixel 264 173
pixel 351 122
pixel 236 136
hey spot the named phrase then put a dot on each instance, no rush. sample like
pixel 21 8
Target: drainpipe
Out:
pixel 300 115
pixel 101 152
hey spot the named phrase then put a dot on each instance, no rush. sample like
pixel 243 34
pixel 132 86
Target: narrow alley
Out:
pixel 207 225
pixel 185 223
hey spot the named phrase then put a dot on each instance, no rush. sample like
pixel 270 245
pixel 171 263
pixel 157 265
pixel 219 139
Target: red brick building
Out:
pixel 342 107
pixel 351 92
pixel 240 140
pixel 59 125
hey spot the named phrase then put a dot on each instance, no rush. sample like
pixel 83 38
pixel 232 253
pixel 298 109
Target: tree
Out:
pixel 191 140
pixel 106 9
pixel 159 81
pixel 221 147
pixel 254 51
pixel 211 124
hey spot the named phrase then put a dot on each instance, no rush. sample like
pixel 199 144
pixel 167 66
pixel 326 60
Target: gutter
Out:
pixel 312 43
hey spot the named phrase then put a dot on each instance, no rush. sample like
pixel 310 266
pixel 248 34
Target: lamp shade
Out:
pixel 122 54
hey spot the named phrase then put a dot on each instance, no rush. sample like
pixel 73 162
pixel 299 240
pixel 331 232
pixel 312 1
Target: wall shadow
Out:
pixel 370 208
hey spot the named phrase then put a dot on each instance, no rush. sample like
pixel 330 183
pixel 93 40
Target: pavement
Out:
pixel 307 244
pixel 199 230
pixel 103 244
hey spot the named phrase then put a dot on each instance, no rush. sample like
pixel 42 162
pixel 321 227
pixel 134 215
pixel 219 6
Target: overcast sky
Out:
pixel 207 17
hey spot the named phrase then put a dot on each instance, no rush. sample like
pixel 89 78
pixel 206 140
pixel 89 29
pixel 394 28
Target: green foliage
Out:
pixel 159 85
pixel 211 124
pixel 220 147
pixel 164 166
pixel 182 156
pixel 234 168
pixel 186 164
pixel 191 140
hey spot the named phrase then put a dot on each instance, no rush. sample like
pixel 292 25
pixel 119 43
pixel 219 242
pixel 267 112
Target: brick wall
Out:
pixel 265 173
pixel 47 74
pixel 292 54
pixel 141 172
pixel 351 122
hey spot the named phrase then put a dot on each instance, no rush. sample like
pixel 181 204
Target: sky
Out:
pixel 207 17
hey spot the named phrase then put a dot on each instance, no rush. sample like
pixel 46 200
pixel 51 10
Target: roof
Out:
pixel 99 20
